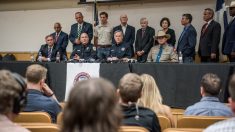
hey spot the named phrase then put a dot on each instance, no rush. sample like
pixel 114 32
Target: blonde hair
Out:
pixel 151 97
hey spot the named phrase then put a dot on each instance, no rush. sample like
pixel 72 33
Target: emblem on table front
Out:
pixel 81 76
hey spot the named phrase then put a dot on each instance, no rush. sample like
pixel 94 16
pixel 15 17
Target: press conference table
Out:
pixel 179 84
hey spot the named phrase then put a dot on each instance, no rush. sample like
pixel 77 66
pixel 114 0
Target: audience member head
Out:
pixel 162 37
pixel 123 19
pixel 186 19
pixel 165 23
pixel 49 40
pixel 210 85
pixel 12 93
pixel 57 27
pixel 208 14
pixel 84 38
pixel 232 93
pixel 104 17
pixel 150 92
pixel 36 74
pixel 232 9
pixel 92 107
pixel 79 17
pixel 118 36
pixel 144 23
pixel 130 87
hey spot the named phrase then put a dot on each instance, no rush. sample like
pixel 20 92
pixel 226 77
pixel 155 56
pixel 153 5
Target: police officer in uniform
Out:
pixel 162 52
pixel 84 51
pixel 119 50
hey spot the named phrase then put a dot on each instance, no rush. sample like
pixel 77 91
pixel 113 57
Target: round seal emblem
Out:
pixel 81 76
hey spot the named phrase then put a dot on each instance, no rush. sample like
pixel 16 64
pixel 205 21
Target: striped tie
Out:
pixel 79 30
pixel 49 52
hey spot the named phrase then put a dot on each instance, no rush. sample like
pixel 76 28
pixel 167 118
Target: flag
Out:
pixel 222 18
pixel 96 18
pixel 221 13
pixel 80 71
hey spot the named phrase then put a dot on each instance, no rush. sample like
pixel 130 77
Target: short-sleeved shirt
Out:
pixel 104 34
pixel 36 101
pixel 168 54
pixel 209 106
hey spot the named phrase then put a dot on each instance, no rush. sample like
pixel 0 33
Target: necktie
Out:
pixel 56 37
pixel 143 31
pixel 159 54
pixel 49 52
pixel 182 34
pixel 204 27
pixel 79 30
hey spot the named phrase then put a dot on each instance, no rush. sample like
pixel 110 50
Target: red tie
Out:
pixel 204 27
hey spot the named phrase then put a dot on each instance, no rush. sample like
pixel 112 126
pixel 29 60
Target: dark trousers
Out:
pixel 231 59
pixel 206 59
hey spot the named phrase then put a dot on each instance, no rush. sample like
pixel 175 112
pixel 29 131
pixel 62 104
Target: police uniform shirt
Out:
pixel 120 51
pixel 104 34
pixel 84 51
pixel 168 54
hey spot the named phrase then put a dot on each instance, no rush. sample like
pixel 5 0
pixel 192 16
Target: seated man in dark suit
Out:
pixel 85 50
pixel 78 28
pixel 48 51
pixel 130 89
pixel 61 40
pixel 119 50
pixel 128 33
pixel 40 97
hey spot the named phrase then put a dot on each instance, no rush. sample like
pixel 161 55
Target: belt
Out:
pixel 104 46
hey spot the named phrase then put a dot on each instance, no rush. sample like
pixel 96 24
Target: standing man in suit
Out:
pixel 210 38
pixel 78 28
pixel 61 40
pixel 144 40
pixel 228 45
pixel 188 39
pixel 48 51
pixel 128 33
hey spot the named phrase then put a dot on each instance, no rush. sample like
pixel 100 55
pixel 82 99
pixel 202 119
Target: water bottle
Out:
pixel 180 57
pixel 40 57
pixel 58 57
pixel 32 57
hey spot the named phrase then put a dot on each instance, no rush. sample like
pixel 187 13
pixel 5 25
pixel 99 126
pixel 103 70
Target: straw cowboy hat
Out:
pixel 162 34
pixel 232 4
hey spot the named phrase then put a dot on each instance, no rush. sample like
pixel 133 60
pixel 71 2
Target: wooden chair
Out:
pixel 177 114
pixel 41 127
pixel 62 104
pixel 198 121
pixel 59 118
pixel 164 122
pixel 183 130
pixel 132 129
pixel 30 117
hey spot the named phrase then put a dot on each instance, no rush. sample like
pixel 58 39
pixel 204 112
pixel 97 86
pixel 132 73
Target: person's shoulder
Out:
pixel 75 24
pixel 228 125
pixel 87 23
pixel 64 33
pixel 132 27
pixel 146 111
pixel 116 28
pixel 170 30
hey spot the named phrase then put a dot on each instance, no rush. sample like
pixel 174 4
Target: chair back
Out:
pixel 33 117
pixel 41 127
pixel 59 118
pixel 132 129
pixel 183 130
pixel 164 122
pixel 198 121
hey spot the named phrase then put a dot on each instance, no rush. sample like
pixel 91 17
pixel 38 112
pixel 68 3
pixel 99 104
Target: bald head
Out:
pixel 123 19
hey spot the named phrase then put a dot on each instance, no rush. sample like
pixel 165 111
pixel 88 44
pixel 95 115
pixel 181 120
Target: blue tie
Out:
pixel 159 54
pixel 182 34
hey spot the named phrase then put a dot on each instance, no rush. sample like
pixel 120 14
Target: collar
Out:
pixel 104 25
pixel 209 22
pixel 210 98
pixel 34 91
pixel 124 25
pixel 163 46
pixel 80 24
pixel 57 34
pixel 50 47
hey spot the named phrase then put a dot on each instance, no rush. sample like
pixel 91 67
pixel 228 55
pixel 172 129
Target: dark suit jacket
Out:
pixel 129 37
pixel 62 42
pixel 187 42
pixel 44 52
pixel 210 39
pixel 228 44
pixel 86 28
pixel 146 42
pixel 172 40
